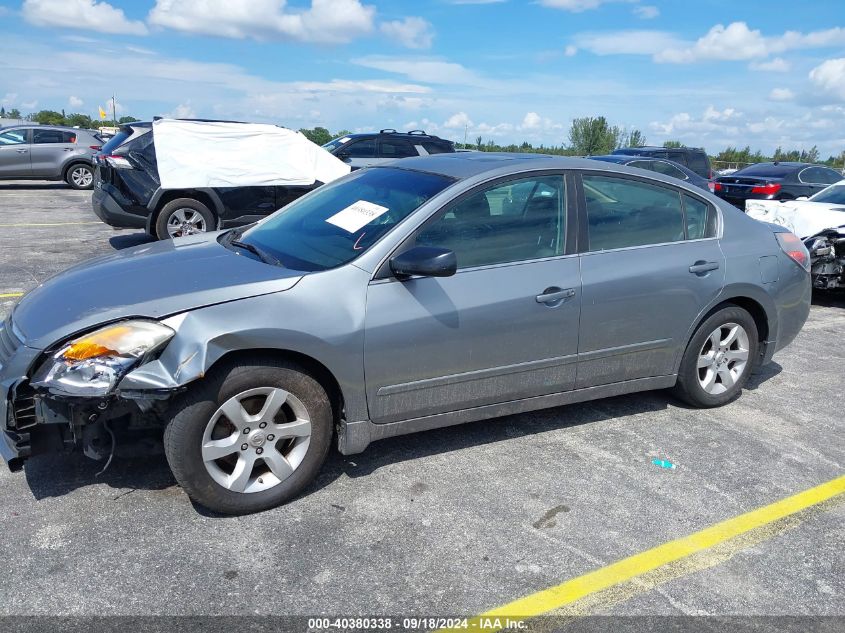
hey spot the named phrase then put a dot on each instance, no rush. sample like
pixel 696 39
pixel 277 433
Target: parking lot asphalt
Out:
pixel 454 521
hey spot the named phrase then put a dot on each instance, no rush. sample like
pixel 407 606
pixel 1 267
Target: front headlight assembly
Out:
pixel 94 364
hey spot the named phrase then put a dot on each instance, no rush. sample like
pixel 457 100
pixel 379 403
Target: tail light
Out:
pixel 715 186
pixel 794 247
pixel 118 162
pixel 769 189
pixel 96 148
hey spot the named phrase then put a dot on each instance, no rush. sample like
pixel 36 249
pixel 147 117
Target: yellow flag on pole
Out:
pixel 103 114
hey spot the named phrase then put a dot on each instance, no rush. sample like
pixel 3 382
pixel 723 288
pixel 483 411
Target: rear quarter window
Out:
pixel 699 164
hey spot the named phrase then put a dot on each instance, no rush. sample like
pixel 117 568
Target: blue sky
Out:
pixel 710 73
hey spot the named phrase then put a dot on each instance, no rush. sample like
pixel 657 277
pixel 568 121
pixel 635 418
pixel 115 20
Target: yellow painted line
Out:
pixel 11 294
pixel 640 564
pixel 49 224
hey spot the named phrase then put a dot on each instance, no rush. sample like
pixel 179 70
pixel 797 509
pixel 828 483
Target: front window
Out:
pixel 514 221
pixel 340 221
pixel 335 143
pixel 13 137
pixel 831 195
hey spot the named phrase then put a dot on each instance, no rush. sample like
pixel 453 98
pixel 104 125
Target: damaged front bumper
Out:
pixel 827 259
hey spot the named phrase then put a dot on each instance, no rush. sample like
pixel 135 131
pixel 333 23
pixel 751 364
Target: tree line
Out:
pixel 53 117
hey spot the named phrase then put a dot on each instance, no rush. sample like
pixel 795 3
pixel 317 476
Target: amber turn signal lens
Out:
pixel 100 343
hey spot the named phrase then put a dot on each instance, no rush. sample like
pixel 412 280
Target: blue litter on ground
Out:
pixel 663 463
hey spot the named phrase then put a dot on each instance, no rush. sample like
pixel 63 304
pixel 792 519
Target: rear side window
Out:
pixel 701 219
pixel 697 161
pixel 623 213
pixel 436 148
pixel 662 167
pixel 43 137
pixel 361 149
pixel 819 175
pixel 395 148
pixel 678 157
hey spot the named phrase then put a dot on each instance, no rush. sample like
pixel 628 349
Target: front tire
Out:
pixel 184 216
pixel 719 359
pixel 80 176
pixel 249 437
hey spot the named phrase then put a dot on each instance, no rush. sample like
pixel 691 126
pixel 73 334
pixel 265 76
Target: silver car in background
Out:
pixel 401 298
pixel 47 152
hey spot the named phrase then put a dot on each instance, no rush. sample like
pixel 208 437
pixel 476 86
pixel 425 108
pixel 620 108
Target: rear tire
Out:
pixel 719 359
pixel 184 216
pixel 236 442
pixel 80 176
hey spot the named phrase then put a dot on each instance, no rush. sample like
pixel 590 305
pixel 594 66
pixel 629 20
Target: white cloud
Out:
pixel 575 6
pixel 325 21
pixel 738 42
pixel 531 121
pixel 646 11
pixel 75 102
pixel 633 42
pixel 829 76
pixel 412 32
pixel 458 120
pixel 424 69
pixel 81 14
pixel 776 65
pixel 183 111
pixel 781 94
pixel 9 99
pixel 570 51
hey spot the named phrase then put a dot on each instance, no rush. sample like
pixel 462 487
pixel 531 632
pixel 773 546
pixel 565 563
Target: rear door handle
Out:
pixel 702 267
pixel 21 151
pixel 553 295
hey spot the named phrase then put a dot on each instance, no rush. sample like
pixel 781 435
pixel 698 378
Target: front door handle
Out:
pixel 701 267
pixel 555 295
pixel 21 151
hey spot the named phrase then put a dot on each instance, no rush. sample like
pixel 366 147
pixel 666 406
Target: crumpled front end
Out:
pixel 827 259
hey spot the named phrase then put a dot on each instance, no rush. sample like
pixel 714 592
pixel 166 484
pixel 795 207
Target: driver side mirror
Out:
pixel 424 261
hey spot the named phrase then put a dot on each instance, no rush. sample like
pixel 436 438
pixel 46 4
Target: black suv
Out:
pixel 128 193
pixel 373 148
pixel 694 158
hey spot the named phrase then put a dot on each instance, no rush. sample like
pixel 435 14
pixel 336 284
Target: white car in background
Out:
pixel 820 222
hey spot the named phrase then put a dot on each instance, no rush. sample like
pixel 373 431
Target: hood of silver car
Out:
pixel 152 280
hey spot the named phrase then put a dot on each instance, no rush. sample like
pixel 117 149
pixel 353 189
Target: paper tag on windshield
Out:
pixel 343 140
pixel 356 215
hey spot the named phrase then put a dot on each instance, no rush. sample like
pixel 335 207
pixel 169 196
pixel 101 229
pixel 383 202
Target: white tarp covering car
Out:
pixel 194 154
pixel 820 222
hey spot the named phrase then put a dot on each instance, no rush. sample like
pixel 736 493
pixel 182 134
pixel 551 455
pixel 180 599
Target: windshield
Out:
pixel 333 145
pixel 338 222
pixel 835 194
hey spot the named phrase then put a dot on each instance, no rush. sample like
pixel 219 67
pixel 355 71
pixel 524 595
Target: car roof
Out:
pixel 46 126
pixel 654 148
pixel 463 165
pixel 405 135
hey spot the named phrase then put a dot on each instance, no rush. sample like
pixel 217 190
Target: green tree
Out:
pixel 2 112
pixel 79 120
pixel 635 138
pixel 672 144
pixel 342 133
pixel 591 136
pixel 49 117
pixel 478 143
pixel 14 113
pixel 127 119
pixel 319 135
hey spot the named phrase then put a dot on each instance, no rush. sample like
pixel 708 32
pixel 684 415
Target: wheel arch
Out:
pixel 164 196
pixel 311 365
pixel 762 319
pixel 73 163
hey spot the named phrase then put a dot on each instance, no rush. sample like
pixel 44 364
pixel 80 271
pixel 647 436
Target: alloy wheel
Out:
pixel 723 358
pixel 186 222
pixel 82 177
pixel 256 439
